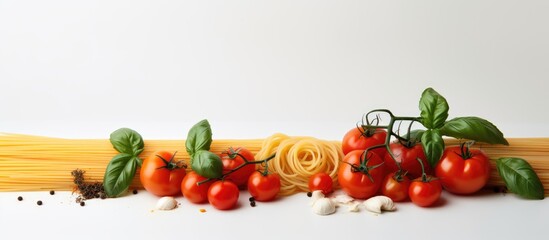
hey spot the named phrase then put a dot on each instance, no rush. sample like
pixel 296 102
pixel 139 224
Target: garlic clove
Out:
pixel 378 203
pixel 315 196
pixel 166 203
pixel 353 206
pixel 343 199
pixel 324 206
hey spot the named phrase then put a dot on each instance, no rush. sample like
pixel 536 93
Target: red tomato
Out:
pixel 407 157
pixel 396 188
pixel 160 175
pixel 223 195
pixel 463 174
pixel 321 181
pixel 426 193
pixel 356 183
pixel 193 192
pixel 264 188
pixel 360 139
pixel 232 160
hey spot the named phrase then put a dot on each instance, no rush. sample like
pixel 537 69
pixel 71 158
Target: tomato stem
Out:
pixel 246 162
pixel 170 164
pixel 465 151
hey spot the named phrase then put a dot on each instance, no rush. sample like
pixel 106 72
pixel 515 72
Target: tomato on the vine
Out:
pixel 361 179
pixel 223 194
pixel 407 157
pixel 462 170
pixel 425 191
pixel 395 186
pixel 264 187
pixel 192 191
pixel 161 175
pixel 360 139
pixel 321 181
pixel 232 158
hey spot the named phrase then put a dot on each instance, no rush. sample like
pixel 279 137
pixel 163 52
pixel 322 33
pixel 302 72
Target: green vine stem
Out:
pixel 246 162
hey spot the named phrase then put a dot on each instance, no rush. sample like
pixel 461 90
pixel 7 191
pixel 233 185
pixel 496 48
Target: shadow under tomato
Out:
pixel 440 203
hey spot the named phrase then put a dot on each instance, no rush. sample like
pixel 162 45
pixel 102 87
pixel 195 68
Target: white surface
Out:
pixel 85 68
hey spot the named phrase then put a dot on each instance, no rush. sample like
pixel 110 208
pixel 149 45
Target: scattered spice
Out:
pixel 87 190
pixel 19 198
pixel 202 210
pixel 52 192
pixel 251 199
pixel 39 203
pixel 82 203
pixel 309 194
pixel 252 204
pixel 135 191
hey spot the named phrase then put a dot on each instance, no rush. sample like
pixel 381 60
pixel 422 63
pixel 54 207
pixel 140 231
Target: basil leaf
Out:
pixel 128 141
pixel 520 178
pixel 433 146
pixel 119 174
pixel 199 137
pixel 434 109
pixel 473 128
pixel 207 164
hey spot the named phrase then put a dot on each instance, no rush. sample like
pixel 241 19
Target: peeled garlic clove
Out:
pixel 378 203
pixel 166 203
pixel 353 206
pixel 324 206
pixel 315 196
pixel 343 199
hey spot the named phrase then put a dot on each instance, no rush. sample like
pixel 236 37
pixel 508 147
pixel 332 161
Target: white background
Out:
pixel 82 69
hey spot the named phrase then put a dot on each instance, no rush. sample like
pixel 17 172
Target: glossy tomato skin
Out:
pixel 358 184
pixel 240 177
pixel 463 176
pixel 264 188
pixel 158 180
pixel 321 181
pixel 407 157
pixel 394 189
pixel 425 194
pixel 193 192
pixel 223 195
pixel 355 139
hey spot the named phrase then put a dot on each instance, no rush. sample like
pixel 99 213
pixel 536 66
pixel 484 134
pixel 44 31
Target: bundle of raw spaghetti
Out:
pixel 534 150
pixel 298 158
pixel 30 163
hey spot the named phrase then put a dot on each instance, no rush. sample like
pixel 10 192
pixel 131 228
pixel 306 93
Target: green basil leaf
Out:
pixel 207 164
pixel 119 174
pixel 199 137
pixel 520 178
pixel 473 128
pixel 433 146
pixel 128 141
pixel 434 109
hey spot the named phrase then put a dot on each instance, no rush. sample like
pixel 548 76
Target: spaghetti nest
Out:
pixel 298 158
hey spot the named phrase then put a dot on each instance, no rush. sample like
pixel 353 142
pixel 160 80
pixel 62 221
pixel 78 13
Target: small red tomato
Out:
pixel 321 181
pixel 232 158
pixel 360 180
pixel 264 188
pixel 161 175
pixel 395 187
pixel 463 170
pixel 193 192
pixel 360 139
pixel 223 195
pixel 425 193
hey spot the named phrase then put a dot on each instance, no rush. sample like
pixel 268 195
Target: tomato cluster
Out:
pixel 368 171
pixel 162 176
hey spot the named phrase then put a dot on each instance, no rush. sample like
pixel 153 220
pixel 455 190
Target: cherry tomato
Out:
pixel 360 139
pixel 321 181
pixel 193 192
pixel 161 175
pixel 357 183
pixel 463 172
pixel 407 157
pixel 264 188
pixel 425 193
pixel 223 195
pixel 395 187
pixel 231 159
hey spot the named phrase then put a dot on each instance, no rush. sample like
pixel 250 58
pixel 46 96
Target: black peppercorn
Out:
pixel 20 198
pixel 251 199
pixel 39 203
pixel 309 194
pixel 52 192
pixel 252 203
pixel 82 204
pixel 135 191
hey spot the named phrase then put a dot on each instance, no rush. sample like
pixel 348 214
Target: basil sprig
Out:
pixel 520 178
pixel 203 162
pixel 121 169
pixel 434 113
